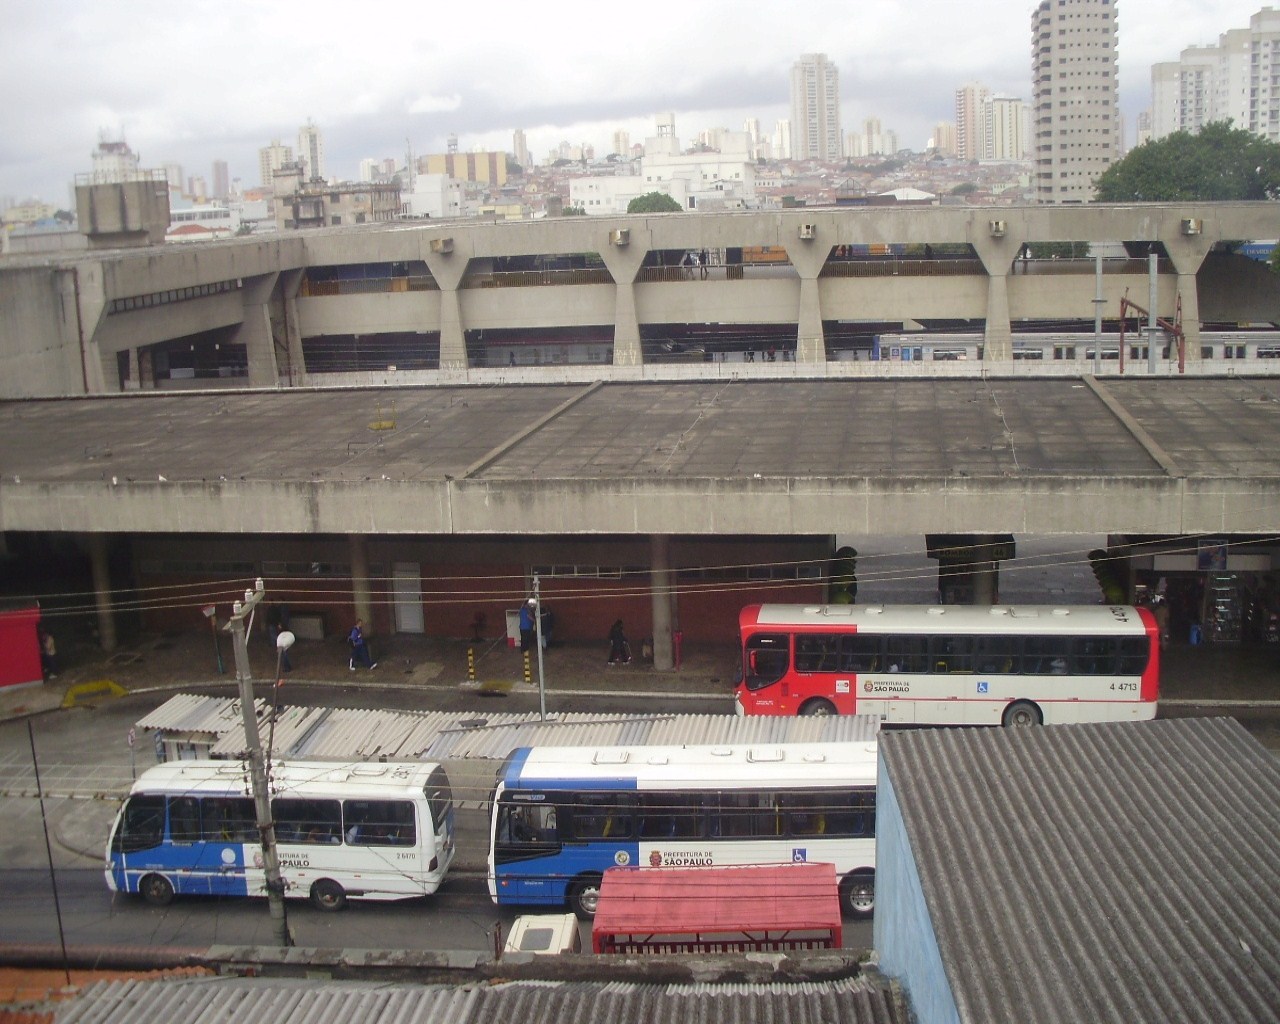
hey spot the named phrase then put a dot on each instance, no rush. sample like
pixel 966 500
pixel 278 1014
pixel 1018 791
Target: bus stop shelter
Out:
pixel 752 908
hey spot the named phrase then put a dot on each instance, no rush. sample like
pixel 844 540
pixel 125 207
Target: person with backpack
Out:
pixel 359 647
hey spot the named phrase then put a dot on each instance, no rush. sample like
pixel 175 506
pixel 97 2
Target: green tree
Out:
pixel 964 188
pixel 1218 164
pixel 574 211
pixel 654 202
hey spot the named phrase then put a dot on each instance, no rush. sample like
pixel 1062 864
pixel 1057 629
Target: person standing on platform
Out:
pixel 528 627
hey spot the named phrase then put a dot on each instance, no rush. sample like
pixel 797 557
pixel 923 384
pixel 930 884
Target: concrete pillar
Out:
pixel 811 342
pixel 447 257
pixel 358 546
pixel 1187 253
pixel 254 332
pixel 624 260
pixel 284 329
pixel 100 566
pixel 627 350
pixel 985 573
pixel 453 340
pixel 997 339
pixel 661 594
pixel 135 372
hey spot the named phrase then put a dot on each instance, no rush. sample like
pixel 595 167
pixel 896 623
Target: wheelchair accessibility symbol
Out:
pixel 799 856
pixel 983 686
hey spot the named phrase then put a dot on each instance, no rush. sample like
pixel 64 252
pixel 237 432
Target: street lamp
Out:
pixel 284 640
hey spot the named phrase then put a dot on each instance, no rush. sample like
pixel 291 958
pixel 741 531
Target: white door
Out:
pixel 407 588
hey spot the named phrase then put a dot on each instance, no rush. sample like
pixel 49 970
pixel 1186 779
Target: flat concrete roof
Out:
pixel 1053 455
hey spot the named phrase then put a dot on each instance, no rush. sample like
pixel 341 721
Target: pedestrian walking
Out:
pixel 619 649
pixel 359 647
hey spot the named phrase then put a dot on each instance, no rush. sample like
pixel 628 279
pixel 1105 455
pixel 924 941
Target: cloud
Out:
pixel 428 104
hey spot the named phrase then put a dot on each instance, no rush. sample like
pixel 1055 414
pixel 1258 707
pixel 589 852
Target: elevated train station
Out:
pixel 194 419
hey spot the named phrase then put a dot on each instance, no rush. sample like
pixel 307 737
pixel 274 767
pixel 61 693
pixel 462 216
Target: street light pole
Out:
pixel 257 771
pixel 537 635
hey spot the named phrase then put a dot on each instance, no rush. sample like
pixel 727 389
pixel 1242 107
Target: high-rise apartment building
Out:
pixel 270 159
pixel 782 140
pixel 520 148
pixel 311 151
pixel 221 180
pixel 815 108
pixel 944 138
pixel 1232 80
pixel 114 161
pixel 971 127
pixel 1005 122
pixel 1075 106
pixel 622 143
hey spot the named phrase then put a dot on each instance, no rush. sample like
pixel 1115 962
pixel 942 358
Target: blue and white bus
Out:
pixel 371 831
pixel 560 816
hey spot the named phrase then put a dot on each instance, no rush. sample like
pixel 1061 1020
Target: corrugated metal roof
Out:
pixel 347 734
pixel 1098 872
pixel 862 1000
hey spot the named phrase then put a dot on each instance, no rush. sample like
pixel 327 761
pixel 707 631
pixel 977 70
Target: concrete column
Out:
pixel 985 575
pixel 660 593
pixel 997 339
pixel 1190 296
pixel 624 262
pixel 1187 253
pixel 453 340
pixel 811 342
pixel 254 332
pixel 358 546
pixel 285 334
pixel 627 350
pixel 100 566
pixel 135 372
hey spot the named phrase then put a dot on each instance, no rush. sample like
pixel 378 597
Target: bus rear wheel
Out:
pixel 858 894
pixel 156 890
pixel 819 706
pixel 584 896
pixel 1022 713
pixel 327 894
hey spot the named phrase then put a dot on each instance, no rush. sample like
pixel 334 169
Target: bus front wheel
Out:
pixel 156 890
pixel 1021 713
pixel 584 896
pixel 818 706
pixel 327 894
pixel 858 894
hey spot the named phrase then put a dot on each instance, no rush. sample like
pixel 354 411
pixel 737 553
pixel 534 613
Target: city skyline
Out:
pixel 209 82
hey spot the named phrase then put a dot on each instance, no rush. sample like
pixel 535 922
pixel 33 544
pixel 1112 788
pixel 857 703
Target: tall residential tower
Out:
pixel 1075 106
pixel 815 109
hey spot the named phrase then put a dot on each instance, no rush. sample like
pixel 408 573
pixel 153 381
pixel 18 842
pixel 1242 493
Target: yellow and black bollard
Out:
pixel 471 664
pixel 528 673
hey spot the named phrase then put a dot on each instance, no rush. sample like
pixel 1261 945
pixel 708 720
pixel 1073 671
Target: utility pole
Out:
pixel 537 637
pixel 257 771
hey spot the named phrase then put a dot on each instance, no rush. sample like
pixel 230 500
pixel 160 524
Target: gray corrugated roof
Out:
pixel 346 734
pixel 861 1000
pixel 1098 872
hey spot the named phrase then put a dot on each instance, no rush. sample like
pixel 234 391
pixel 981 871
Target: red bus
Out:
pixel 950 664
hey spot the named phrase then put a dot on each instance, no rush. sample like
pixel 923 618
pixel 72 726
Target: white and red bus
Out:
pixel 950 664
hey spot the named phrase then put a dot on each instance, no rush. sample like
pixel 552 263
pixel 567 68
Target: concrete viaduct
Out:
pixel 566 461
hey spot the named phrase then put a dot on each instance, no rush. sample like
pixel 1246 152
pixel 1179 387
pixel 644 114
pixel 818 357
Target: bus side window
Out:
pixel 184 819
pixel 767 658
pixel 141 825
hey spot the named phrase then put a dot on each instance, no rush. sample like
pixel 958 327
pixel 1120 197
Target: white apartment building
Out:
pixel 815 108
pixel 311 151
pixel 270 159
pixel 113 162
pixel 1005 129
pixel 1236 80
pixel 1075 106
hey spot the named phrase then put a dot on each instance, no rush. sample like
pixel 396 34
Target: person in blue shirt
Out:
pixel 359 647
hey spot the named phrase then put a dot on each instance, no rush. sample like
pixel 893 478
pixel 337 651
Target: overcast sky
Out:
pixel 192 81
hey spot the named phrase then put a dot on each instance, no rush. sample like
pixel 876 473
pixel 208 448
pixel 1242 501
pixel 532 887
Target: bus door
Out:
pixel 440 804
pixel 527 850
pixel 227 826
